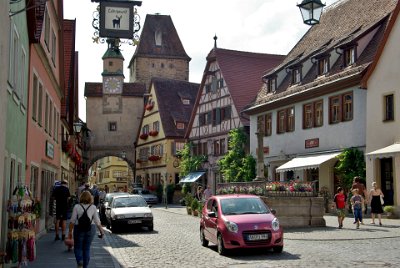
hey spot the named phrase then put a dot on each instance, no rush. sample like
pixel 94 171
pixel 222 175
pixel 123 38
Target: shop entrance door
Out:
pixel 387 179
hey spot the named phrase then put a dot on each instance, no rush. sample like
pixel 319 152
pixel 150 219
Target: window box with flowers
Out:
pixel 144 136
pixel 154 157
pixel 153 133
pixel 149 106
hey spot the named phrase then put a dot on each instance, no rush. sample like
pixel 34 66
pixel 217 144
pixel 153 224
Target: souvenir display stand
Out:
pixel 22 214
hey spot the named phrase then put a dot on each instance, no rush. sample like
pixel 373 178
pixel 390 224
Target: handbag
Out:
pixel 382 201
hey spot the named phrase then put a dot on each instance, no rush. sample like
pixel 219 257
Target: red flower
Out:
pixel 144 136
pixel 154 157
pixel 149 106
pixel 153 133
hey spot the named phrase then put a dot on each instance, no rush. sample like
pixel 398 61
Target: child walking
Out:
pixel 340 201
pixel 356 202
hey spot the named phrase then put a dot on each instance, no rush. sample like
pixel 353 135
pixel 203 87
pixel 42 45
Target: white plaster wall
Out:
pixel 331 136
pixel 384 80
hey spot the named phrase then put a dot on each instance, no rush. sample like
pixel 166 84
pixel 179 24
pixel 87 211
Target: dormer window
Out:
pixel 349 56
pixel 221 83
pixel 296 75
pixel 271 85
pixel 158 37
pixel 180 125
pixel 185 101
pixel 323 65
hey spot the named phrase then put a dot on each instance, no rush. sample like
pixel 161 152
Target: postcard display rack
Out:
pixel 21 245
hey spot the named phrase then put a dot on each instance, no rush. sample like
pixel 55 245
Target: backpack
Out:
pixel 84 222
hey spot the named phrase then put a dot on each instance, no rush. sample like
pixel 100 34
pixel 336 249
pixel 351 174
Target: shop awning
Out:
pixel 306 162
pixel 389 151
pixel 191 177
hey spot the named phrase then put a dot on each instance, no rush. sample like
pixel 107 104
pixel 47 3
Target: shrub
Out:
pixel 195 204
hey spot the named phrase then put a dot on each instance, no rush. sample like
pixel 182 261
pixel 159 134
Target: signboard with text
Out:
pixel 116 20
pixel 49 149
pixel 312 143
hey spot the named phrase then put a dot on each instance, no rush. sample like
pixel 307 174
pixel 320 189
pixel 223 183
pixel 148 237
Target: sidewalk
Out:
pixel 390 228
pixel 52 253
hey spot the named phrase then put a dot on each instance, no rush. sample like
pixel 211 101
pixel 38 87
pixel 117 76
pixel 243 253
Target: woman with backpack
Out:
pixel 83 220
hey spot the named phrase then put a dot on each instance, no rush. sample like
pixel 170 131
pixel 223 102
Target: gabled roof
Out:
pixel 341 24
pixel 169 94
pixel 171 46
pixel 382 45
pixel 128 89
pixel 242 72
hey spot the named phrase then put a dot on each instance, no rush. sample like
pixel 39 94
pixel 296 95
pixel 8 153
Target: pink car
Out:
pixel 239 221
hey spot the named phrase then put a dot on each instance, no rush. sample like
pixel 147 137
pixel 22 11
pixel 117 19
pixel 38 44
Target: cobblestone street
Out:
pixel 175 243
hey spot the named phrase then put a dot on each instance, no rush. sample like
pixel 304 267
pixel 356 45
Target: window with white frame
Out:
pixel 347 107
pixel 323 65
pixel 40 104
pixel 53 47
pixel 318 113
pixel 349 56
pixel 334 110
pixel 47 29
pixel 46 114
pixel 34 180
pixel 268 124
pixel 296 75
pixel 177 146
pixel 35 83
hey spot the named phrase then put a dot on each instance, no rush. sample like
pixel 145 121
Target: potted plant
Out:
pixel 389 211
pixel 195 207
pixel 188 202
pixel 153 133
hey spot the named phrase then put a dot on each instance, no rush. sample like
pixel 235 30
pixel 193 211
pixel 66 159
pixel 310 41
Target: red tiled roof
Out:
pixel 128 89
pixel 169 94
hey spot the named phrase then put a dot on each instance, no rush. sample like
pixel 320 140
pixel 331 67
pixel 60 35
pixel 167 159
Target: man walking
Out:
pixel 61 195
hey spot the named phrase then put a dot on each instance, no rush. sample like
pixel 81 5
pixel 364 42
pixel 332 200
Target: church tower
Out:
pixel 159 53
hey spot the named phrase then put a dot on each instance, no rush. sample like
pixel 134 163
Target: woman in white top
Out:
pixel 83 239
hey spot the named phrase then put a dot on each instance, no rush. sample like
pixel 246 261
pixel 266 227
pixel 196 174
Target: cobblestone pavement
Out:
pixel 175 243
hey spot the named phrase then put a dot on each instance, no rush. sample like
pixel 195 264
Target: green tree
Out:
pixel 351 163
pixel 188 162
pixel 236 166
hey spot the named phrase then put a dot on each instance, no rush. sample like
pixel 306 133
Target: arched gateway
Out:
pixel 114 109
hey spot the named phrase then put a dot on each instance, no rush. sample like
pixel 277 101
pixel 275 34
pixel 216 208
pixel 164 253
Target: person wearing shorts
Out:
pixel 61 195
pixel 340 202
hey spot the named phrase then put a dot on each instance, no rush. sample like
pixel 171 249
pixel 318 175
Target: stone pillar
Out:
pixel 260 156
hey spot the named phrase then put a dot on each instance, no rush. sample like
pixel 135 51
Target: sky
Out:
pixel 262 26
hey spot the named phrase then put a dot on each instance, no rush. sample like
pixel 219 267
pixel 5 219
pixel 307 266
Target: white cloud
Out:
pixel 265 26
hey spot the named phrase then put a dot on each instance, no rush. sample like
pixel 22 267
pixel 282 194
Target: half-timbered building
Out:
pixel 230 81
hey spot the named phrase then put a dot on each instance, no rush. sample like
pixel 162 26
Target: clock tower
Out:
pixel 113 75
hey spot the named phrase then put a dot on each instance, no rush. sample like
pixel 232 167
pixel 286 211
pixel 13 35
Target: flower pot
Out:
pixel 189 210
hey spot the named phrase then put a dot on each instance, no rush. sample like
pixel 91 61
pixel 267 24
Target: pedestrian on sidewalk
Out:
pixel 362 190
pixel 83 238
pixel 375 196
pixel 340 201
pixel 61 195
pixel 357 201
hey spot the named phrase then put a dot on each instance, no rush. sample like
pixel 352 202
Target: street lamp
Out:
pixel 78 127
pixel 311 11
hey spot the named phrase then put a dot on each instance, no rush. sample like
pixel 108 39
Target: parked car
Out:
pixel 129 210
pixel 150 198
pixel 105 203
pixel 239 221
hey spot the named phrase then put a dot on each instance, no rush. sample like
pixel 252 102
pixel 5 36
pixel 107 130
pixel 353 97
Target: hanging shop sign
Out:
pixel 116 19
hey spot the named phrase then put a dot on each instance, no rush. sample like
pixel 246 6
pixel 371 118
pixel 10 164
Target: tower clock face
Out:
pixel 112 85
